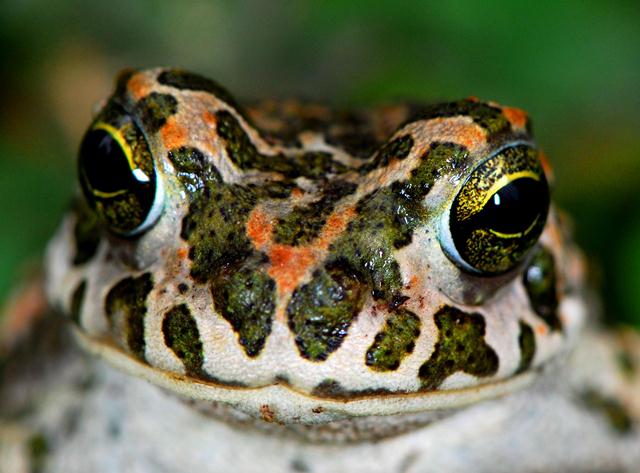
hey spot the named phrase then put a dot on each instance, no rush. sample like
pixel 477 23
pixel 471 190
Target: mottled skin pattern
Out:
pixel 326 274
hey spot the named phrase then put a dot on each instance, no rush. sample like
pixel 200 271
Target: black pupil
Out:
pixel 104 163
pixel 515 206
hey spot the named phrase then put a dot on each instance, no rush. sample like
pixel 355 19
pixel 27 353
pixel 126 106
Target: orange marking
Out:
pixel 459 130
pixel 259 228
pixel 173 134
pixel 336 223
pixel 516 116
pixel 542 330
pixel 209 118
pixel 139 86
pixel 296 193
pixel 413 280
pixel 182 253
pixel 471 136
pixel 289 265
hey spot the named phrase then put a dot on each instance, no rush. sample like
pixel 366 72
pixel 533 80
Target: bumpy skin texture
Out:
pixel 296 269
pixel 308 248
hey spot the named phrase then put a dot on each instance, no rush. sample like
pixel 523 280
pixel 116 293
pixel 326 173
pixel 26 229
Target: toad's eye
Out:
pixel 118 177
pixel 499 213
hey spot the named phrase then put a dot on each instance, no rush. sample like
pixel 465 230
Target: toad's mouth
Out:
pixel 289 405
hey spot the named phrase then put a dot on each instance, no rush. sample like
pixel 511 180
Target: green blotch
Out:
pixel 387 219
pixel 246 299
pixel 243 153
pixel 398 148
pixel 394 342
pixel 304 223
pixel 184 80
pixel 615 413
pixel 129 297
pixel 155 108
pixel 460 347
pixel 540 282
pixel 488 117
pixel 77 299
pixel 86 233
pixel 193 169
pixel 321 311
pixel 527 343
pixel 332 389
pixel 626 363
pixel 358 142
pixel 182 336
pixel 215 228
pixel 38 450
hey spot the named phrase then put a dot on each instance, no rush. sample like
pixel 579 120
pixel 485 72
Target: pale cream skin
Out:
pixel 571 409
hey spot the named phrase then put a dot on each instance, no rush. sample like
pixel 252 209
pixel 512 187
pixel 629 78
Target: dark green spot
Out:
pixel 38 450
pixel 394 342
pixel 184 80
pixel 86 233
pixel 299 466
pixel 527 343
pixel 329 388
pixel 77 299
pixel 215 229
pixel 615 413
pixel 304 223
pixel 129 299
pixel 182 336
pixel 488 117
pixel 193 168
pixel 332 389
pixel 154 110
pixel 540 282
pixel 399 148
pixel 243 153
pixel 321 311
pixel 245 297
pixel 460 347
pixel 626 363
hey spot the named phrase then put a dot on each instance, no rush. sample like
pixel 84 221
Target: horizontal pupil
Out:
pixel 104 163
pixel 514 207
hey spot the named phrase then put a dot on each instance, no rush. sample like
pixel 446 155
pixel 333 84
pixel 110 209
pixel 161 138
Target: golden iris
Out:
pixel 501 210
pixel 116 172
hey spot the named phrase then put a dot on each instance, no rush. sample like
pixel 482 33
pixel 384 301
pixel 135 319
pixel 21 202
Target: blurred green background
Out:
pixel 574 65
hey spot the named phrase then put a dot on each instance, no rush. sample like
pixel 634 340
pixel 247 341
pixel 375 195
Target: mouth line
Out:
pixel 291 405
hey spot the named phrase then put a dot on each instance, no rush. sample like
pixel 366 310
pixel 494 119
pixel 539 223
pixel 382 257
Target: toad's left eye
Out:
pixel 499 213
pixel 118 177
